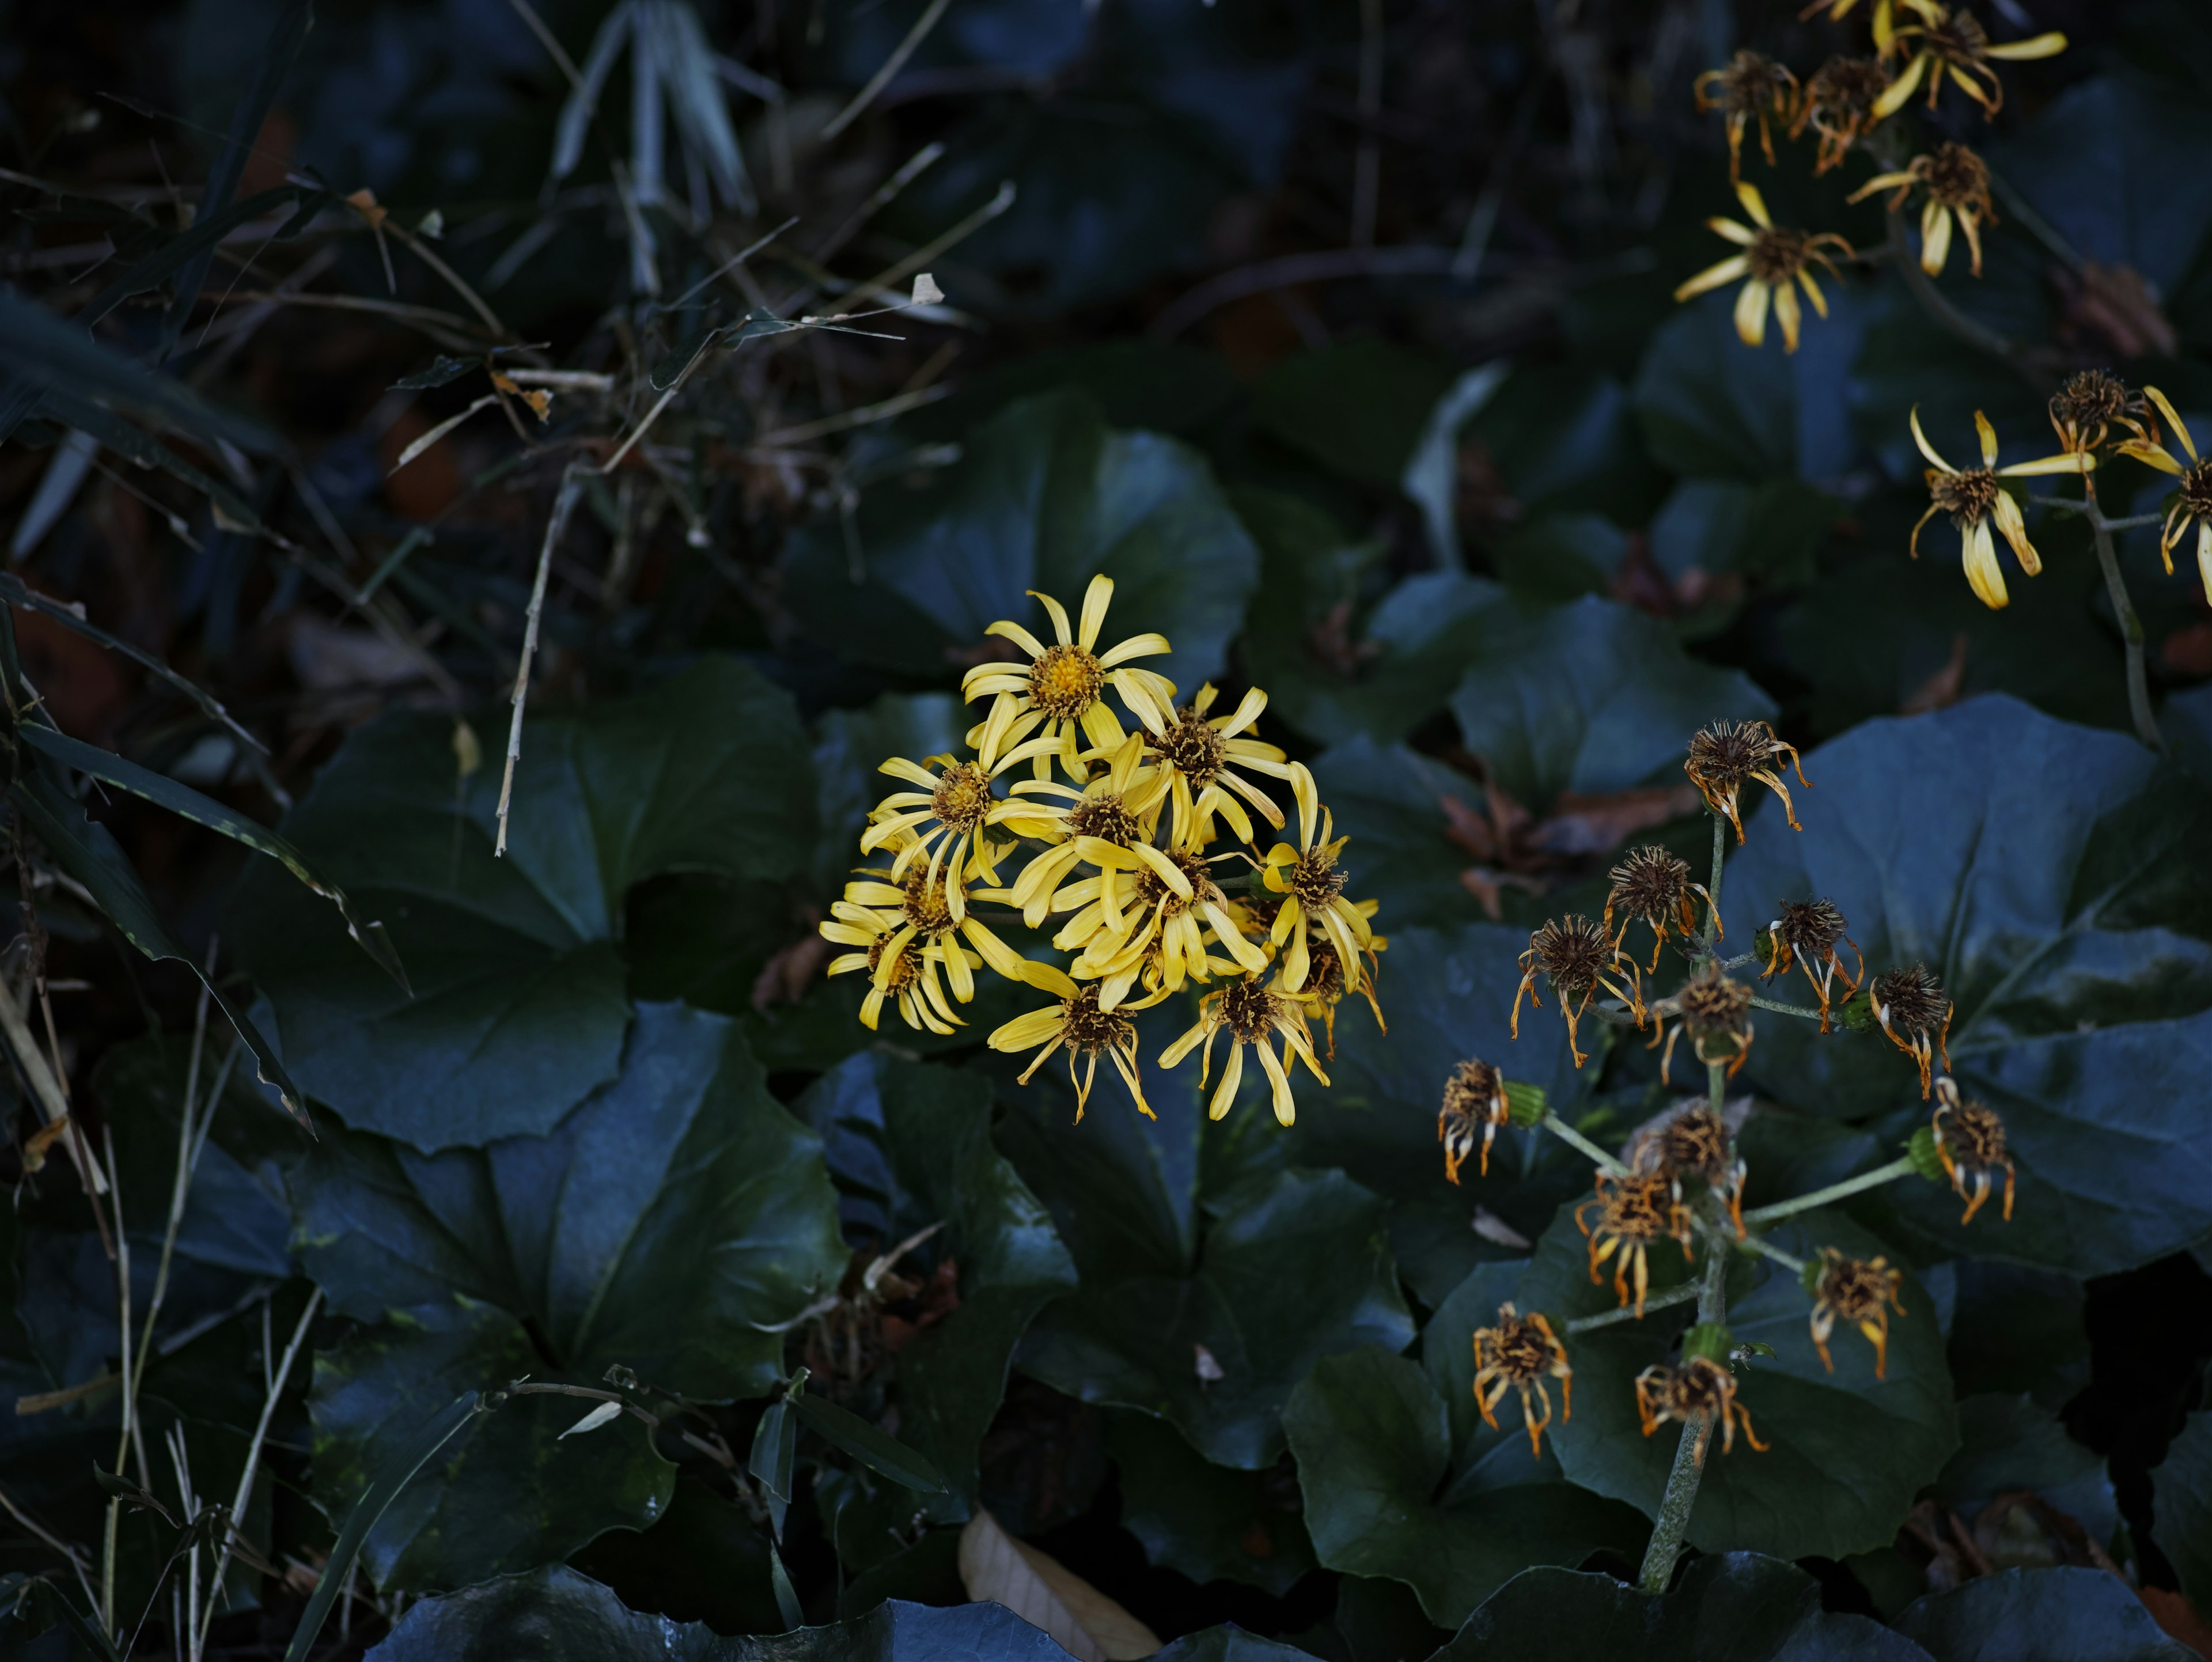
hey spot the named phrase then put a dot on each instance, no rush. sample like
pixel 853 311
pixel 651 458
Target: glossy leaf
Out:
pixel 1373 1442
pixel 2046 873
pixel 1208 1522
pixel 1849 1452
pixel 1731 1607
pixel 668 1225
pixel 1301 400
pixel 1398 807
pixel 2039 1615
pixel 1591 697
pixel 1045 496
pixel 868 1445
pixel 520 1009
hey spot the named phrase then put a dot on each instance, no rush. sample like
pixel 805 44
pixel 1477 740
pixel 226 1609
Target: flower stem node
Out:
pixel 1927 1160
pixel 1523 1352
pixel 1710 1339
pixel 1525 1104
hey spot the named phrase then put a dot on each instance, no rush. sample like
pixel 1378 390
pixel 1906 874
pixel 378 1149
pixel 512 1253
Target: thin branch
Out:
pixel 1673 1295
pixel 572 485
pixel 1574 1139
pixel 1900 1167
pixel 1776 1005
pixel 720 1455
pixel 1767 1249
pixel 891 65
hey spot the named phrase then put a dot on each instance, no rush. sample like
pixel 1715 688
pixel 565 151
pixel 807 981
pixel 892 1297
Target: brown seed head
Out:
pixel 1724 755
pixel 1651 883
pixel 1065 681
pixel 1574 953
pixel 903 973
pixel 1695 1142
pixel 2088 403
pixel 1975 1132
pixel 2196 489
pixel 1086 1027
pixel 1638 1209
pixel 1840 97
pixel 1912 999
pixel 1751 81
pixel 925 906
pixel 1713 1004
pixel 1105 817
pixel 1810 929
pixel 1475 1092
pixel 1152 892
pixel 1778 254
pixel 1192 747
pixel 1249 1010
pixel 1520 1348
pixel 1957 178
pixel 1968 497
pixel 1314 879
pixel 1856 1288
pixel 1324 972
pixel 1701 1389
pixel 962 798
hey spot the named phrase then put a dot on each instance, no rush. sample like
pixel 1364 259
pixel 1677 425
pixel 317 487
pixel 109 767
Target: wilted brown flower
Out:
pixel 1774 257
pixel 1954 46
pixel 1521 1351
pixel 1715 1010
pixel 1970 1139
pixel 1574 953
pixel 1634 1211
pixel 1915 1011
pixel 1653 885
pixel 1474 1096
pixel 1700 1392
pixel 1957 183
pixel 1325 989
pixel 2091 404
pixel 1837 104
pixel 1862 1291
pixel 1750 86
pixel 1729 755
pixel 1808 933
pixel 1694 1143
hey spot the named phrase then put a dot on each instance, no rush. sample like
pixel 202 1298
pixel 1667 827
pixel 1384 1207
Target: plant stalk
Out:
pixel 1900 1167
pixel 1682 1492
pixel 1574 1139
pixel 2132 630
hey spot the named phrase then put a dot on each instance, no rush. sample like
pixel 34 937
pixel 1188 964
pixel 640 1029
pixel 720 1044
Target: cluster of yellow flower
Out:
pixel 1123 845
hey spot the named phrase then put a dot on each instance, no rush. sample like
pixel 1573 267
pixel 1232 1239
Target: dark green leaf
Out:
pixel 1302 400
pixel 1560 557
pixel 1563 436
pixel 1398 807
pixel 1592 697
pixel 2181 1489
pixel 705 1561
pixel 866 1443
pixel 1849 1452
pixel 1373 1442
pixel 1734 1607
pixel 2010 1443
pixel 670 1224
pixel 776 1440
pixel 1045 496
pixel 2019 1330
pixel 443 372
pixel 1209 1522
pixel 90 855
pixel 2039 1615
pixel 1767 531
pixel 909 1146
pixel 1712 407
pixel 165 791
pixel 2047 874
pixel 186 255
pixel 520 1009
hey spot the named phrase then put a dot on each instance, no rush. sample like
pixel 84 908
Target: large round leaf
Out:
pixel 518 1008
pixel 2051 875
pixel 1045 496
pixel 1208 1522
pixel 2064 1615
pixel 668 1225
pixel 1849 1452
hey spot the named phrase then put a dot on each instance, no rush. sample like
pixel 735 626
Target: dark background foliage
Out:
pixel 1338 332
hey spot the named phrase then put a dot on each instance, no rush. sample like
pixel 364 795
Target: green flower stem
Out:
pixel 1574 1139
pixel 1682 1492
pixel 1713 887
pixel 2131 629
pixel 1786 1009
pixel 1682 1295
pixel 1753 1244
pixel 1900 1167
pixel 1715 1083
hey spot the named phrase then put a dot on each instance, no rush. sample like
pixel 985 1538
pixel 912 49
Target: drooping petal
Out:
pixel 1713 276
pixel 1224 1095
pixel 1751 313
pixel 1786 315
pixel 2204 555
pixel 2173 419
pixel 1894 95
pixel 1978 550
pixel 1734 230
pixel 2043 465
pixel 1813 291
pixel 2006 512
pixel 2037 45
pixel 1935 238
pixel 1926 449
pixel 1279 1082
pixel 1096 599
pixel 1014 633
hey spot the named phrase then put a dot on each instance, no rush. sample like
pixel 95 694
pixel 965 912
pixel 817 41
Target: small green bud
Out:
pixel 1708 1339
pixel 1921 1151
pixel 1810 1276
pixel 1857 1012
pixel 1763 944
pixel 1524 1103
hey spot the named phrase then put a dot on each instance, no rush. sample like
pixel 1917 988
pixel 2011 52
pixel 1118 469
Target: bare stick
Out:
pixel 892 65
pixel 75 1556
pixel 46 1090
pixel 572 484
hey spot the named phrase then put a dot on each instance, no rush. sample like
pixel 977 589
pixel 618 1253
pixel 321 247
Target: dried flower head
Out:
pixel 1652 884
pixel 1751 86
pixel 1915 1011
pixel 1773 258
pixel 1694 1143
pixel 1579 959
pixel 1727 756
pixel 1325 982
pixel 2090 403
pixel 1862 1291
pixel 1808 933
pixel 1521 1351
pixel 1970 1139
pixel 1837 104
pixel 2192 504
pixel 1715 1010
pixel 1957 184
pixel 1975 500
pixel 1700 1392
pixel 1953 46
pixel 1474 1097
pixel 1634 1211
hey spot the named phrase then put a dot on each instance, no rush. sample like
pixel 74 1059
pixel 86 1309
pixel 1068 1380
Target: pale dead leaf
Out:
pixel 591 1422
pixel 926 291
pixel 998 1569
pixel 1207 1369
pixel 1491 1228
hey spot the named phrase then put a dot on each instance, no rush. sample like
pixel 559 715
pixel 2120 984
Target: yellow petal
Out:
pixel 2204 555
pixel 1733 230
pixel 1058 614
pixel 2040 45
pixel 2006 512
pixel 1894 95
pixel 1978 550
pixel 1988 436
pixel 1935 238
pixel 1014 633
pixel 1786 315
pixel 1926 449
pixel 1046 978
pixel 2180 427
pixel 1137 646
pixel 1751 313
pixel 1813 291
pixel 1225 1096
pixel 1754 204
pixel 1713 276
pixel 1096 600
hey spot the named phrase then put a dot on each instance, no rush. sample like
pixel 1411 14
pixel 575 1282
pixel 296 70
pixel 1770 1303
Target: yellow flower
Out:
pixel 1201 753
pixel 1958 186
pixel 2194 502
pixel 1078 1025
pixel 1953 44
pixel 946 819
pixel 1885 15
pixel 1141 922
pixel 1974 499
pixel 1313 890
pixel 1751 85
pixel 1326 987
pixel 909 977
pixel 1772 258
pixel 1253 1015
pixel 1063 686
pixel 1108 822
pixel 916 913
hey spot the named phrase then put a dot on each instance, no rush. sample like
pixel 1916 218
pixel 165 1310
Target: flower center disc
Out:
pixel 1777 255
pixel 1247 1009
pixel 962 798
pixel 1192 748
pixel 1065 681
